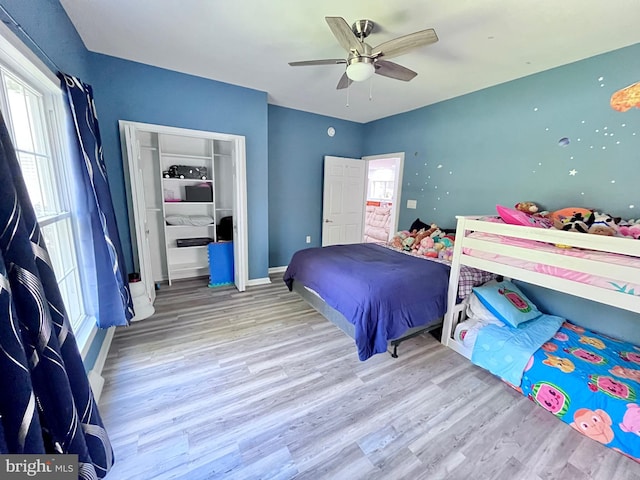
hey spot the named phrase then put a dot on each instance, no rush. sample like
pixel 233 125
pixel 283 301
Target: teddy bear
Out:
pixel 527 207
pixel 396 241
pixel 425 245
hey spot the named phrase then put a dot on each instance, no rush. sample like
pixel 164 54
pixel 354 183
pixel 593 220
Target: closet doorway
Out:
pixel 185 189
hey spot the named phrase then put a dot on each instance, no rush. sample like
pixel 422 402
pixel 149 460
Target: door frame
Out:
pixel 397 188
pixel 137 218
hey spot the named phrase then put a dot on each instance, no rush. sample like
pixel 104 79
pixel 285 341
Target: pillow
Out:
pixel 507 302
pixel 477 311
pixel 419 225
pixel 516 217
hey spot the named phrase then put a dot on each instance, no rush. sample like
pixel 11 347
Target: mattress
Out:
pixel 606 258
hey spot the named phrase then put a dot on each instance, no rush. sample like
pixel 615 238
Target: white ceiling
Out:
pixel 250 42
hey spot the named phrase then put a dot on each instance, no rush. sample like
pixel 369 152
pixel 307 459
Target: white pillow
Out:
pixel 476 310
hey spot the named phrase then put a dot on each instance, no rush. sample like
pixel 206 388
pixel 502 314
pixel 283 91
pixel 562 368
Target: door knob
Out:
pixel 326 220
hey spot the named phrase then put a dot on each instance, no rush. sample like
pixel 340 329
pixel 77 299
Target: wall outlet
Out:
pixel 412 203
pixel 308 238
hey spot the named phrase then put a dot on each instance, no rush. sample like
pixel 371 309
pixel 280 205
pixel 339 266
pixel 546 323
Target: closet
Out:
pixel 184 188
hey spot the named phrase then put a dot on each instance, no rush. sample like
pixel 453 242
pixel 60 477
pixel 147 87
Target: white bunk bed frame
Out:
pixel 625 246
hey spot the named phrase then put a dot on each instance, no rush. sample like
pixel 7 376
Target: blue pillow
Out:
pixel 507 302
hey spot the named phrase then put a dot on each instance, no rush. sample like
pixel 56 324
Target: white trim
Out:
pixel 24 61
pixel 96 382
pixel 95 374
pixel 258 281
pixel 277 269
pixel 85 335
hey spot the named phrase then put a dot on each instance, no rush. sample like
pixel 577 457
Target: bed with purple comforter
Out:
pixel 382 292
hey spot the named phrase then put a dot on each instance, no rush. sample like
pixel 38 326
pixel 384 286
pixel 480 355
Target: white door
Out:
pixel 343 200
pixel 140 227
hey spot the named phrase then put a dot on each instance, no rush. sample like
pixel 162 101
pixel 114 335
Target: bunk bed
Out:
pixel 588 380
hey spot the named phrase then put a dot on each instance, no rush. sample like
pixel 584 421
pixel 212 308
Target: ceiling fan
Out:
pixel 362 60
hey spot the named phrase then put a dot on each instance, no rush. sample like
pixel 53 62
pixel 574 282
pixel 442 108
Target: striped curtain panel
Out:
pixel 100 246
pixel 46 404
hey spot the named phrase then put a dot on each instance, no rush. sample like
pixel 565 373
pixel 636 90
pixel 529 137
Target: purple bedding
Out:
pixel 382 292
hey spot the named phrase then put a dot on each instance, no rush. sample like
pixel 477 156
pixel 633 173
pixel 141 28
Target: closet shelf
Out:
pixel 184 155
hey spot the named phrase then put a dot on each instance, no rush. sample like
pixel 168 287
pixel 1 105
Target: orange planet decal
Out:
pixel 626 98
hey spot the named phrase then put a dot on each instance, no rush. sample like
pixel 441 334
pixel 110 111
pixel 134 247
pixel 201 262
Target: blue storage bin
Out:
pixel 220 263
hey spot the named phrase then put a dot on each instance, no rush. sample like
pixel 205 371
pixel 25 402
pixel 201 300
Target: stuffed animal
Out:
pixel 422 234
pixel 527 207
pixel 407 243
pixel 446 254
pixel 437 233
pixel 604 224
pixel 579 222
pixel 425 244
pixel 396 241
pixel 630 228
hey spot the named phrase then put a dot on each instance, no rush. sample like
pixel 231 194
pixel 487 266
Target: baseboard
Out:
pixel 258 281
pixel 95 374
pixel 277 269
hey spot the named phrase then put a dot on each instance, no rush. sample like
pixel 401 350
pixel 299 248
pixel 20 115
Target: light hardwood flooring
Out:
pixel 257 385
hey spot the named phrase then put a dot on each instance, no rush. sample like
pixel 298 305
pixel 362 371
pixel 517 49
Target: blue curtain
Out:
pixel 101 253
pixel 46 404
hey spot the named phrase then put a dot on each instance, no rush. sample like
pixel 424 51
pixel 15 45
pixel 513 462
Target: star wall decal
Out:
pixel 573 172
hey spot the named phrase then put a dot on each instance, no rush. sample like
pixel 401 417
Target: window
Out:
pixel 29 108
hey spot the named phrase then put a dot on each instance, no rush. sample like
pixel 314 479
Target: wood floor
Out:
pixel 257 385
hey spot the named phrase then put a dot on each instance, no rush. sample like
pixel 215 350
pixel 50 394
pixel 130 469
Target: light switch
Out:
pixel 412 204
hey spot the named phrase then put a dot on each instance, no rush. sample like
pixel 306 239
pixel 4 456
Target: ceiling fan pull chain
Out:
pixel 370 88
pixel 347 96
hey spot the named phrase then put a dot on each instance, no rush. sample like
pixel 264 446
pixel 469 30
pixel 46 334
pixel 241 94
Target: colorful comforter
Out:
pixel 591 382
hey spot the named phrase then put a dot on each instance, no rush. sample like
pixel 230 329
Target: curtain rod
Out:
pixel 13 24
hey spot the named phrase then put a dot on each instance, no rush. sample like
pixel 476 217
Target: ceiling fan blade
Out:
pixel 344 82
pixel 393 70
pixel 332 61
pixel 401 45
pixel 343 33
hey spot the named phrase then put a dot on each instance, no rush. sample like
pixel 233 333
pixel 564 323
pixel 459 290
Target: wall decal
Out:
pixel 626 98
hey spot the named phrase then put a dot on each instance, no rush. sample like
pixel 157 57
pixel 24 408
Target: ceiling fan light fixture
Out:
pixel 360 71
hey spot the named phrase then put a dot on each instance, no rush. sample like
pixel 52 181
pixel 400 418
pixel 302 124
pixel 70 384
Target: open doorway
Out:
pixel 384 184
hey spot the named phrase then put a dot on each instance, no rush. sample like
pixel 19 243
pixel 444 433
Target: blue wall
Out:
pixel 126 90
pixel 298 142
pixel 46 22
pixel 501 145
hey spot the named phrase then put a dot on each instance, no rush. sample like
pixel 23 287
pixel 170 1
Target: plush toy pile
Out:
pixel 583 220
pixel 429 242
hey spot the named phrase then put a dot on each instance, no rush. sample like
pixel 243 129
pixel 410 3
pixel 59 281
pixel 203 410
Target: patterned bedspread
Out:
pixel 591 382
